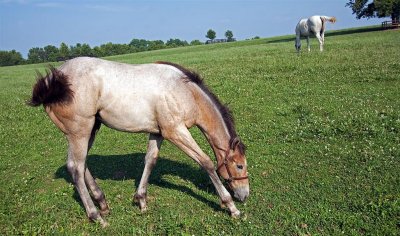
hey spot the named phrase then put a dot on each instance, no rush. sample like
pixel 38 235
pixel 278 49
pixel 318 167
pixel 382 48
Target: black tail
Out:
pixel 51 88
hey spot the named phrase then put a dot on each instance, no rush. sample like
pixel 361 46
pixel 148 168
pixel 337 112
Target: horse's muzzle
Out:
pixel 241 193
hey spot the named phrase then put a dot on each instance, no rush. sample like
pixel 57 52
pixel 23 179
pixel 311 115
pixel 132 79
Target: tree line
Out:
pixel 64 52
pixel 52 53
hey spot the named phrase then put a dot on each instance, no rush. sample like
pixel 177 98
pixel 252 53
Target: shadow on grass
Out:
pixel 353 31
pixel 130 166
pixel 330 33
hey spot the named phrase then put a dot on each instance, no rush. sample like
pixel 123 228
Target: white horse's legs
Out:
pixel 182 138
pixel 308 43
pixel 153 149
pixel 77 151
pixel 321 41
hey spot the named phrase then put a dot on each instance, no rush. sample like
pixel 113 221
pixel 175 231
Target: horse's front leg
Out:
pixel 153 149
pixel 298 43
pixel 182 138
pixel 308 44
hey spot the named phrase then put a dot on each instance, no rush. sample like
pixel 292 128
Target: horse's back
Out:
pixel 131 98
pixel 302 28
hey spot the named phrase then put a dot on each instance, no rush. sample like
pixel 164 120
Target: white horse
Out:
pixel 313 25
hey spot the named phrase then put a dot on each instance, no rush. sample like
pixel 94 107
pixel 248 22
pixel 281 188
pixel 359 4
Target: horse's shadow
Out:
pixel 130 166
pixel 327 34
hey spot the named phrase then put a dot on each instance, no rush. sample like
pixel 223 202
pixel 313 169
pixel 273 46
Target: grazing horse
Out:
pixel 162 99
pixel 313 25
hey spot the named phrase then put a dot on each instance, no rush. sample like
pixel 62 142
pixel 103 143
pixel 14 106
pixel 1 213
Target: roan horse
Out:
pixel 162 99
pixel 313 25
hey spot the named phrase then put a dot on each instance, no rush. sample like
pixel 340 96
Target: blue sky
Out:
pixel 25 24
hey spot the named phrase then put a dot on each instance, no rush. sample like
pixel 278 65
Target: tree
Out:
pixel 10 58
pixel 110 49
pixel 63 52
pixel 139 44
pixel 156 44
pixel 98 52
pixel 173 43
pixel 375 8
pixel 75 51
pixel 229 35
pixel 51 53
pixel 86 50
pixel 195 42
pixel 36 55
pixel 211 34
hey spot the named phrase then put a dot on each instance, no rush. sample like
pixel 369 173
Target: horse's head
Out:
pixel 234 170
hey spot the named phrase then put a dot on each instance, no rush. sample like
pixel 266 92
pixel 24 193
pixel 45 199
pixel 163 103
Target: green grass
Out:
pixel 322 131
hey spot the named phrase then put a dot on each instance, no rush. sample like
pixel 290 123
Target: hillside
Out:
pixel 322 136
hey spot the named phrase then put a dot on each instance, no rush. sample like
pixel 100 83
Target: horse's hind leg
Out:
pixel 153 149
pixel 321 42
pixel 77 151
pixel 97 194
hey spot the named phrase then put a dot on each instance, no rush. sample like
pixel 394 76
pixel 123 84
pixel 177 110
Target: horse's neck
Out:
pixel 212 124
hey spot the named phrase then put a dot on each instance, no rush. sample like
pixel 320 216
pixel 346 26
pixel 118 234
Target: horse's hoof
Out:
pixel 140 200
pixel 104 223
pixel 235 214
pixel 143 209
pixel 137 196
pixel 99 220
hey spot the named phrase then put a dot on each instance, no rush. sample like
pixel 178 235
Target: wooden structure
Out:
pixel 390 24
pixel 220 40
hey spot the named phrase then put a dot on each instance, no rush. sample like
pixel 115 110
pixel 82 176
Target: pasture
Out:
pixel 323 146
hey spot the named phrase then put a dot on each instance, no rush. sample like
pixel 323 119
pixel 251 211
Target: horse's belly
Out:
pixel 129 118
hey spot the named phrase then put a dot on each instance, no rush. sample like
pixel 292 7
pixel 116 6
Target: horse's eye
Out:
pixel 239 167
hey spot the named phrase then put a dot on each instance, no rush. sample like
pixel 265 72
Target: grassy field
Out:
pixel 322 131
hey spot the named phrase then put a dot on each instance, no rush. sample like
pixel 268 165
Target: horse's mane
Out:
pixel 226 113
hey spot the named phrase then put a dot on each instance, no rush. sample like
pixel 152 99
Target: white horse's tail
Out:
pixel 331 19
pixel 325 19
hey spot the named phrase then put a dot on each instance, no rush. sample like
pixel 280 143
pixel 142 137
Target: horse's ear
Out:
pixel 234 143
